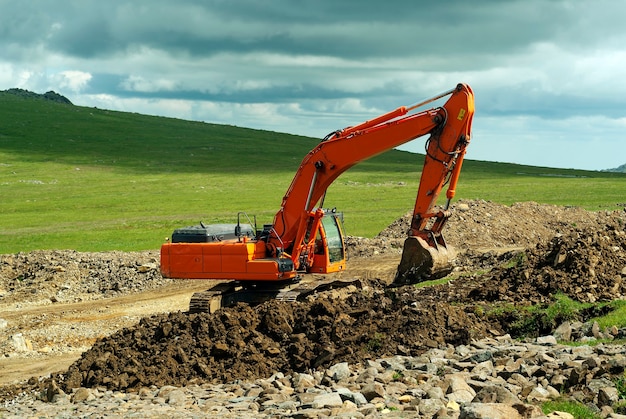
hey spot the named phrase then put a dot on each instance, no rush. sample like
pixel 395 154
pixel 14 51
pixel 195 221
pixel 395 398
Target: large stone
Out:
pixel 496 394
pixel 435 392
pixel 488 411
pixel 20 343
pixel 547 340
pixel 329 400
pixel 607 396
pixel 577 376
pixel 339 371
pixel 82 394
pixel 354 397
pixel 310 413
pixel 563 332
pixel 538 394
pixel 459 390
pixel 303 381
pixel 373 390
pixel 559 415
pixel 428 407
pixel 177 398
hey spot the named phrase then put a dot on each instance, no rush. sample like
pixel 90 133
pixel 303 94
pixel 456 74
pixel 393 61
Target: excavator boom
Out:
pixel 449 128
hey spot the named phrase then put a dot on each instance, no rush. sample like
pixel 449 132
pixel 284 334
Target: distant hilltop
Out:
pixel 621 169
pixel 51 95
pixel 56 97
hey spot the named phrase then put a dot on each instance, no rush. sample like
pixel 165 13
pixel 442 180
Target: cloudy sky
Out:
pixel 548 75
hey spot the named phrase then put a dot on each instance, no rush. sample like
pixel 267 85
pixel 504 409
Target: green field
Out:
pixel 91 180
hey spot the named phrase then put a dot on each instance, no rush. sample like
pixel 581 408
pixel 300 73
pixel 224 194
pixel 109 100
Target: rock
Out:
pixel 559 415
pixel 563 332
pixel 547 340
pixel 53 393
pixel 311 413
pixel 339 371
pixel 176 398
pixel 20 343
pixel 406 398
pixel 435 392
pixel 469 389
pixel 165 391
pixel 147 267
pixel 355 397
pixel 428 407
pixel 496 394
pixel 595 330
pixel 81 395
pixel 373 390
pixel 607 396
pixel 301 382
pixel 458 389
pixel 480 357
pixel 488 411
pixel 327 400
pixel 538 394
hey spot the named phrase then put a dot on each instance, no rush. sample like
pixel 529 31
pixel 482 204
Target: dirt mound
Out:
pixel 588 265
pixel 246 342
pixel 477 227
pixel 65 275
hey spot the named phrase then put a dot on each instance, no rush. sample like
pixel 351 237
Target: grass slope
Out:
pixel 90 179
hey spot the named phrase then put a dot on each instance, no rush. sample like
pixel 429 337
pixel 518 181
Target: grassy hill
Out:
pixel 90 179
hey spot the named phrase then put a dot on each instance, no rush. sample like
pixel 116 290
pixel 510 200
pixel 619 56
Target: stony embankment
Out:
pixel 490 378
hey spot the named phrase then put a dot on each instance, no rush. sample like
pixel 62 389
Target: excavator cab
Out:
pixel 330 253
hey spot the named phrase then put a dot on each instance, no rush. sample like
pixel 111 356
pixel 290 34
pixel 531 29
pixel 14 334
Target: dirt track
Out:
pixel 62 303
pixel 60 333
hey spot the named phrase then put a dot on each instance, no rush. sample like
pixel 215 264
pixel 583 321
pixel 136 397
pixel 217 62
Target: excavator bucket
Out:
pixel 421 262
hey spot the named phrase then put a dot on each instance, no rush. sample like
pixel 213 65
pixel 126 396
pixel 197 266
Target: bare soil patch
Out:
pixel 521 254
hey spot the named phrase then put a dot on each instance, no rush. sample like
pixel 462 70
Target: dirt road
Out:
pixel 56 334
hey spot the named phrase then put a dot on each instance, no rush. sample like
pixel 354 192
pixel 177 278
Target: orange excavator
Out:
pixel 254 264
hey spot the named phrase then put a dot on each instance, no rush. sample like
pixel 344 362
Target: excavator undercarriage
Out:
pixel 228 294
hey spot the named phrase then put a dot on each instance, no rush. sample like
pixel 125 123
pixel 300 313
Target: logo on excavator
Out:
pixel 461 114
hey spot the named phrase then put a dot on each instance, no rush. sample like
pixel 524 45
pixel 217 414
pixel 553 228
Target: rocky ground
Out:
pixel 123 342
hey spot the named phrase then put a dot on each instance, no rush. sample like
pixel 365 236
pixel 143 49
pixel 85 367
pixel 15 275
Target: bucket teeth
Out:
pixel 421 262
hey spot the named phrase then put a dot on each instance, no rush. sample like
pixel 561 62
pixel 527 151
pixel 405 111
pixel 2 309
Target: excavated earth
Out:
pixel 518 255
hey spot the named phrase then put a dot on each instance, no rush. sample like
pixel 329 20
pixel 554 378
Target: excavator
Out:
pixel 252 264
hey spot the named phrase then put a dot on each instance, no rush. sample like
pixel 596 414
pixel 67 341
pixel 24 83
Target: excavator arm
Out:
pixel 449 127
pixel 306 238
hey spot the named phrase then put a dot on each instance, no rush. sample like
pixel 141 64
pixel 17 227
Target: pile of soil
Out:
pixel 587 265
pixel 245 342
pixel 574 252
pixel 49 276
pixel 479 229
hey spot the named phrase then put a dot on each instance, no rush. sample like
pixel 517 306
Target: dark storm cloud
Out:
pixel 326 27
